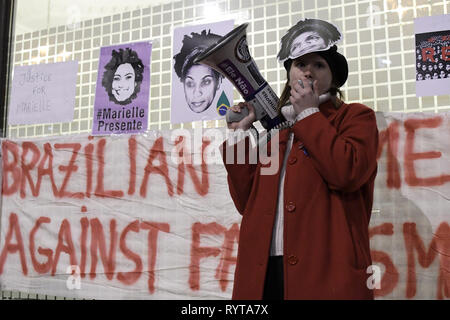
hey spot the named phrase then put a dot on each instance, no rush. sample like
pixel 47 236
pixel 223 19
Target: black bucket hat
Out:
pixel 337 63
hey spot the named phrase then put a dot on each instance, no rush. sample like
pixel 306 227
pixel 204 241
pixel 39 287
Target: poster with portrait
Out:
pixel 198 91
pixel 122 92
pixel 432 55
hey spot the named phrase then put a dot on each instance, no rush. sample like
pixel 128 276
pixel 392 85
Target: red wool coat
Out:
pixel 328 195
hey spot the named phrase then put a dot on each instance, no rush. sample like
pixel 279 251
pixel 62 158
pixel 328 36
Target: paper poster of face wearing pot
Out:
pixel 198 91
pixel 122 93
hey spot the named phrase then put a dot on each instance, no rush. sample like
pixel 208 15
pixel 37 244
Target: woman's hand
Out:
pixel 304 95
pixel 247 121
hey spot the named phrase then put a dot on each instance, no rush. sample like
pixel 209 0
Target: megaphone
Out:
pixel 230 57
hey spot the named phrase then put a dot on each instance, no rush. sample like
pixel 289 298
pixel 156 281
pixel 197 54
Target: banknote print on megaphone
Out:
pixel 231 57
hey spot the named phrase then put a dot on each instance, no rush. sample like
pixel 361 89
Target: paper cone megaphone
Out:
pixel 230 56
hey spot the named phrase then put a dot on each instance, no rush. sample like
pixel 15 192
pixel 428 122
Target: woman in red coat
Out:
pixel 304 230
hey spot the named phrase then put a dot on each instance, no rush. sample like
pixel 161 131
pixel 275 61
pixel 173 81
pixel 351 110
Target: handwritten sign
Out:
pixel 43 93
pixel 150 216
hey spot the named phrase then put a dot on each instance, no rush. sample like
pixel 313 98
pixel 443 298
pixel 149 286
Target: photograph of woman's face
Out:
pixel 200 86
pixel 123 83
pixel 307 41
pixel 123 76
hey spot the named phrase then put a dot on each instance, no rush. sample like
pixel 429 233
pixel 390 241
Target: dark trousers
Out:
pixel 273 286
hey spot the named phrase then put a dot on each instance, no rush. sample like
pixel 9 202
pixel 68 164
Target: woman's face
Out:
pixel 200 86
pixel 307 41
pixel 123 82
pixel 312 67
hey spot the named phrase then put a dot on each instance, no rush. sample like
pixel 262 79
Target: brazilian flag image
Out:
pixel 223 104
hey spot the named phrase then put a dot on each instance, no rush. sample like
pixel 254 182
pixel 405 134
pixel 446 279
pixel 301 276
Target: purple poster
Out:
pixel 122 92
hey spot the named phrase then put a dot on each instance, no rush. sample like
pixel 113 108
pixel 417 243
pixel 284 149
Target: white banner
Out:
pixel 150 216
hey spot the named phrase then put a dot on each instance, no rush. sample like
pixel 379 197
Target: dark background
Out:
pixel 6 32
